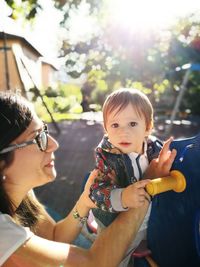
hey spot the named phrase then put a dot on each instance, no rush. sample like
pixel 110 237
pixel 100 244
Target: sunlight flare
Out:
pixel 145 15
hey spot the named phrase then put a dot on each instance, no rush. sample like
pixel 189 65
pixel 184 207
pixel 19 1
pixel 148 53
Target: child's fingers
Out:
pixel 147 197
pixel 144 197
pixel 143 193
pixel 142 183
pixel 169 161
pixel 171 158
pixel 166 145
pixel 164 151
pixel 168 142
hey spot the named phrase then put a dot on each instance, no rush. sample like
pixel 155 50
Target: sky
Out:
pixel 144 15
pixel 46 33
pixel 43 33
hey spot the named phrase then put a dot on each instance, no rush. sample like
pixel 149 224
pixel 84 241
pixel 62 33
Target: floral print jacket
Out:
pixel 114 171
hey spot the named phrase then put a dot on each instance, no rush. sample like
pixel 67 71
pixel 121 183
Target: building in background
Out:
pixel 49 73
pixel 22 65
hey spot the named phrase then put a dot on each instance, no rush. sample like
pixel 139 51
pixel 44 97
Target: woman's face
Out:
pixel 31 167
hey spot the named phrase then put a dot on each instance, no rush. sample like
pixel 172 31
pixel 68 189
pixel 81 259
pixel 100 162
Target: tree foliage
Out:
pixel 113 57
pixel 27 9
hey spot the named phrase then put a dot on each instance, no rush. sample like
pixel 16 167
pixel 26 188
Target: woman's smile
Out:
pixel 50 163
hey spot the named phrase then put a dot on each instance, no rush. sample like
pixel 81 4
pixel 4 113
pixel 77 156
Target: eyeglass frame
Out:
pixel 29 142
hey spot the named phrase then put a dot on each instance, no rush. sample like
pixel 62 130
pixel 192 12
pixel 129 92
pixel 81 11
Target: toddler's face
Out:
pixel 127 130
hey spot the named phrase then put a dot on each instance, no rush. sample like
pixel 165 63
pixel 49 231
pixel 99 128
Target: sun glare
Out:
pixel 144 15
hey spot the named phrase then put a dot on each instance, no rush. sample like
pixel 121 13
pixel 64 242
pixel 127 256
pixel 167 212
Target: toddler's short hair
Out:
pixel 120 99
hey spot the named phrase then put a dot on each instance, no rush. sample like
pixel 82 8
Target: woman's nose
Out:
pixel 52 144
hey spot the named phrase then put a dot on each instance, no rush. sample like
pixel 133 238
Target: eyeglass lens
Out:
pixel 43 140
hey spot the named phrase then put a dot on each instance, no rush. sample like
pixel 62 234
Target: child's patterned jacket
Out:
pixel 115 171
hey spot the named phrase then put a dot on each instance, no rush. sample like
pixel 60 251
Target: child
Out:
pixel 122 157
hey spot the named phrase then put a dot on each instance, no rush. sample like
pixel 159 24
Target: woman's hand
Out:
pixel 161 166
pixel 85 195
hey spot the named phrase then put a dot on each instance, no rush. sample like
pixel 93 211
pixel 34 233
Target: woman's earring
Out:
pixel 4 177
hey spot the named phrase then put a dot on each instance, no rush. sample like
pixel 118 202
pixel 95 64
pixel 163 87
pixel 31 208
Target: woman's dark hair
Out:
pixel 16 114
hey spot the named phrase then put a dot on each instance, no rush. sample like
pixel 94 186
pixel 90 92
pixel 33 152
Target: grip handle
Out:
pixel 175 181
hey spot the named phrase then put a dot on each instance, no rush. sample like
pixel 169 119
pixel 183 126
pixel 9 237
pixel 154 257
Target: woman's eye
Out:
pixel 133 124
pixel 114 125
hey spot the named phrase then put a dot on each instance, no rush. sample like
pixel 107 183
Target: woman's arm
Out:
pixel 107 250
pixel 69 228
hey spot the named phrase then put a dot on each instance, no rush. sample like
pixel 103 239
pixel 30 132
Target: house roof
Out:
pixel 50 62
pixel 23 39
pixel 9 27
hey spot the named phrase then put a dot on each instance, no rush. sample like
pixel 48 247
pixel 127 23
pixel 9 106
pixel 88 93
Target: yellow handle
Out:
pixel 176 182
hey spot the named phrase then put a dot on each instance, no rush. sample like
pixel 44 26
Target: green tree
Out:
pixel 113 57
pixel 26 8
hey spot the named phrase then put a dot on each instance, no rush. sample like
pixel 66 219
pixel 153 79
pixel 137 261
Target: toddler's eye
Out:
pixel 115 125
pixel 133 123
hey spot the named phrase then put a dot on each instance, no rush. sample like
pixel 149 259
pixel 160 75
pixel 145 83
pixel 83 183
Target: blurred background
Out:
pixel 67 56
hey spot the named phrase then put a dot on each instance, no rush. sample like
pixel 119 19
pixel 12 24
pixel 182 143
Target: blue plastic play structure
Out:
pixel 173 234
pixel 174 225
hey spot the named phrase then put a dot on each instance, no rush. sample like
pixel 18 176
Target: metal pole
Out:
pixel 6 61
pixel 39 94
pixel 178 100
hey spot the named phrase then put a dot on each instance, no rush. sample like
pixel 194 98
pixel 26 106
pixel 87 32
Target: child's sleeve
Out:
pixel 116 199
pixel 103 191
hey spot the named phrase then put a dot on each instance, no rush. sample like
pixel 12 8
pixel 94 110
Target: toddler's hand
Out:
pixel 161 166
pixel 134 195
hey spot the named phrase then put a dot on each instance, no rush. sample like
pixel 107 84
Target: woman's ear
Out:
pixel 2 164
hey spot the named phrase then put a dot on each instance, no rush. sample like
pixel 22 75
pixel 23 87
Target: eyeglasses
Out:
pixel 41 140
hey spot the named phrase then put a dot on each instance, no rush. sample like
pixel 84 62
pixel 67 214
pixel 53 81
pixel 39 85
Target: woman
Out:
pixel 29 236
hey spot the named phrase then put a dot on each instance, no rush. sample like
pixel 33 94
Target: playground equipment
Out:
pixel 188 68
pixel 173 234
pixel 175 181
